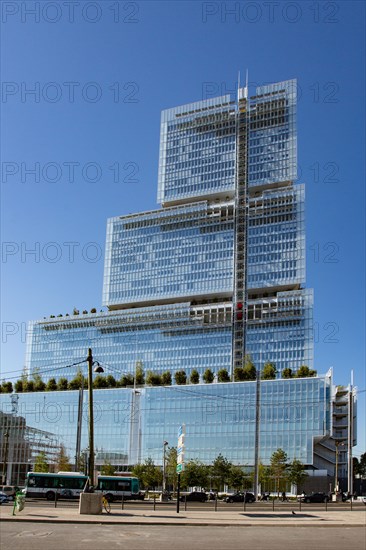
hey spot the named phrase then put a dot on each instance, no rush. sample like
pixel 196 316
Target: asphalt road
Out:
pixel 32 536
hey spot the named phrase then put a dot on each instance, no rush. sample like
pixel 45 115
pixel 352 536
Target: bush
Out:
pixel 223 375
pixel 18 387
pixel 180 377
pixel 51 385
pixel 6 387
pixel 39 385
pixel 195 377
pixel 208 376
pixel 125 380
pixel 166 378
pixel 100 382
pixel 287 373
pixel 62 384
pixel 153 378
pixel 111 381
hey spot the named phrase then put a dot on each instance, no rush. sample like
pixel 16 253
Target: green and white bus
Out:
pixel 71 484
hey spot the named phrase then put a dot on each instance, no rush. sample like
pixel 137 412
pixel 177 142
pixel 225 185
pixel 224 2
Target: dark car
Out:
pixel 315 497
pixel 3 498
pixel 239 497
pixel 197 496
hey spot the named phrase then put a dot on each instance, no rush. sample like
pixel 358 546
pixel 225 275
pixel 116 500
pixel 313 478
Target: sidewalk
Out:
pixel 355 518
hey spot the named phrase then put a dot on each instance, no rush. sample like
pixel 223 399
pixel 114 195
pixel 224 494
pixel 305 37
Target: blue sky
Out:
pixel 101 74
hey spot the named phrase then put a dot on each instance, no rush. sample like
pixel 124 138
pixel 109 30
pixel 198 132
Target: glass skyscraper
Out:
pixel 215 274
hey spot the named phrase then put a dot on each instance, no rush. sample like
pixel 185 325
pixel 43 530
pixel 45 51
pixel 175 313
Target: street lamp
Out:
pixel 164 466
pixel 98 369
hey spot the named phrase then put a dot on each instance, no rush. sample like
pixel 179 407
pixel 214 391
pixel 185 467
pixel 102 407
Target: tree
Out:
pixel 249 370
pixel 223 375
pixel 269 371
pixel 166 378
pixel 180 377
pixel 149 474
pixel 62 463
pixel 208 376
pixel 39 385
pixel 153 378
pixel 41 464
pixel 78 381
pixel 220 471
pixel 236 477
pixel 239 375
pixel 18 387
pixel 100 382
pixel 287 373
pixel 139 374
pixel 194 377
pixel 171 467
pixel 51 385
pixel 296 473
pixel 62 384
pixel 361 468
pixel 6 387
pixel 279 469
pixel 195 474
pixel 107 469
pixel 111 381
pixel 126 380
pixel 264 476
pixel 29 386
pixel 305 372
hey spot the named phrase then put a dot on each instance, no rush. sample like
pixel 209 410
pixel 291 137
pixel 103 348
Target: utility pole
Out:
pixel 5 456
pixel 91 418
pixel 256 442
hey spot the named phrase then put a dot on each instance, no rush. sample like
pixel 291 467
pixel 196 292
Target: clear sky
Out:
pixel 101 72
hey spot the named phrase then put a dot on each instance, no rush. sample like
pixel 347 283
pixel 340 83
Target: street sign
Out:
pixel 180 448
pixel 179 468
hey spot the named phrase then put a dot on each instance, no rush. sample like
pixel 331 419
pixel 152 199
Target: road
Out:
pixel 32 536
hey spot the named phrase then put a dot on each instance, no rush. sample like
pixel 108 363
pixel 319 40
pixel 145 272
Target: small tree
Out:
pixel 223 375
pixel 296 473
pixel 269 371
pixel 220 471
pixel 139 374
pixel 239 375
pixel 305 372
pixel 249 370
pixel 39 385
pixel 153 378
pixel 6 387
pixel 111 381
pixel 62 463
pixel 126 380
pixel 194 377
pixel 166 378
pixel 180 377
pixel 41 464
pixel 29 386
pixel 279 468
pixel 236 477
pixel 107 469
pixel 171 466
pixel 208 376
pixel 100 382
pixel 195 474
pixel 287 373
pixel 18 387
pixel 51 385
pixel 149 474
pixel 62 384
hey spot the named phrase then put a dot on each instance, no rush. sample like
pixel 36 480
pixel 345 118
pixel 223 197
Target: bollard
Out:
pixel 326 504
pixel 216 503
pixel 56 498
pixel 244 504
pixel 185 503
pixel 154 502
pixel 351 503
pixel 300 504
pixel 122 503
pixel 273 504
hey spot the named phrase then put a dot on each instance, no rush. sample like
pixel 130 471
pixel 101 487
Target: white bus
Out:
pixel 71 484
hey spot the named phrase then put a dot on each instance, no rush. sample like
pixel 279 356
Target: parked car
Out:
pixel 3 498
pixel 239 497
pixel 9 490
pixel 315 497
pixel 364 500
pixel 197 496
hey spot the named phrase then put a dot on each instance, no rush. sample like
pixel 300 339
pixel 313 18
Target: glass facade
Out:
pixel 130 425
pixel 163 338
pixel 176 252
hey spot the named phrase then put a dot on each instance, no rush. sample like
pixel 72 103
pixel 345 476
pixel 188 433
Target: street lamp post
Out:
pixel 164 466
pixel 91 415
pixel 337 444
